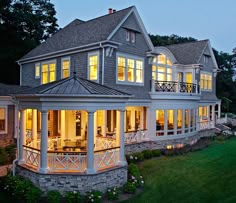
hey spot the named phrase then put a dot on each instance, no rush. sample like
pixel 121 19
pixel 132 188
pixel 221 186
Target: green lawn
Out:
pixel 204 176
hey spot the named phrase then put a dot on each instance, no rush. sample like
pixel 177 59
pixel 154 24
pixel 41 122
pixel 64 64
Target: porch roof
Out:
pixel 72 86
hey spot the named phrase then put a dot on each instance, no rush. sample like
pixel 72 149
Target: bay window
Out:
pixel 130 70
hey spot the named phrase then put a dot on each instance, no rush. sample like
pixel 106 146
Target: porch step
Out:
pixel 222 127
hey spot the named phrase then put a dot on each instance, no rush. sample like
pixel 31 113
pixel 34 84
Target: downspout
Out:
pixel 103 51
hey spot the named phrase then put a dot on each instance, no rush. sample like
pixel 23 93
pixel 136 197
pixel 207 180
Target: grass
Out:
pixel 204 176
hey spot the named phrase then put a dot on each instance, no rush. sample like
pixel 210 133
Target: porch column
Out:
pixel 34 127
pixel 219 110
pixel 122 139
pixel 44 143
pixel 151 123
pixel 208 112
pixel 90 144
pixel 197 119
pixel 165 122
pixel 189 119
pixel 22 137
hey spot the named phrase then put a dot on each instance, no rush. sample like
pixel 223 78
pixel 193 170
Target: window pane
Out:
pixel 169 62
pixel 130 70
pixel 170 119
pixel 169 78
pixel 161 59
pixel 161 69
pixel 139 71
pixel 44 73
pixel 2 119
pixel 121 68
pixel 160 116
pixel 161 77
pixel 65 68
pixel 93 67
pixel 52 72
pixel 179 119
pixel 37 71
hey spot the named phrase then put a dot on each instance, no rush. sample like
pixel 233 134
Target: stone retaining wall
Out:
pixel 161 144
pixel 76 182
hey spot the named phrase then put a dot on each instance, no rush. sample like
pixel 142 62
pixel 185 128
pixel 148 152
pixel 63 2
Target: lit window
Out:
pixel 37 70
pixel 129 69
pixel 162 68
pixel 160 119
pixel 48 72
pixel 206 81
pixel 130 36
pixel 65 68
pixel 2 120
pixel 93 66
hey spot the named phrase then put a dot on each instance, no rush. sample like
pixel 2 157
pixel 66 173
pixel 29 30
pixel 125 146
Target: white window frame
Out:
pixel 6 119
pixel 206 73
pixel 127 35
pixel 94 53
pixel 135 58
pixel 132 36
pixel 35 67
pixel 64 59
pixel 48 62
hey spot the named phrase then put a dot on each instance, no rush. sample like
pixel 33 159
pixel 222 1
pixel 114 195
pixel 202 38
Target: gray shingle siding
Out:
pixel 28 75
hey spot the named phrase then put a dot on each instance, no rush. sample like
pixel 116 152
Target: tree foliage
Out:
pixel 23 25
pixel 159 40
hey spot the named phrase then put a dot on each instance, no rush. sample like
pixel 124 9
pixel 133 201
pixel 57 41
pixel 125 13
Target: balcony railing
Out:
pixel 177 87
pixel 135 136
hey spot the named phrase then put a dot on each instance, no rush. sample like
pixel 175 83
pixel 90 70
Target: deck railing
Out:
pixel 203 125
pixel 177 87
pixel 59 161
pixel 105 142
pixel 135 136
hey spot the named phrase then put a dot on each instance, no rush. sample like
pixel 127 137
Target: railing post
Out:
pixel 177 87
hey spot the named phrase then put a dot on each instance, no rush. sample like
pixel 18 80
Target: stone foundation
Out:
pixel 161 144
pixel 76 182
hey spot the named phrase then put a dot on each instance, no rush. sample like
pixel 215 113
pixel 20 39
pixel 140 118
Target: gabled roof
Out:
pixel 189 52
pixel 72 86
pixel 79 33
pixel 6 90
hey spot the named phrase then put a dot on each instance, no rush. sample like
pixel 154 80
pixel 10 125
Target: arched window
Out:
pixel 162 68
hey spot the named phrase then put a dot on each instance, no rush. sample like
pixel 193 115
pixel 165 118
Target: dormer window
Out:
pixel 130 36
pixel 206 59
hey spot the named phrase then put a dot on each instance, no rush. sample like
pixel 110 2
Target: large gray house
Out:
pixel 99 87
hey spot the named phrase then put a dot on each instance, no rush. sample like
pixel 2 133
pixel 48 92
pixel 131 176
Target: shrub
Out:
pixel 129 187
pixel 73 197
pixel 133 170
pixel 94 196
pixel 113 193
pixel 53 196
pixel 147 154
pixel 33 195
pixel 156 152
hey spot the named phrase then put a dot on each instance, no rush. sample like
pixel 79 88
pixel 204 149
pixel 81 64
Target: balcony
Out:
pixel 167 88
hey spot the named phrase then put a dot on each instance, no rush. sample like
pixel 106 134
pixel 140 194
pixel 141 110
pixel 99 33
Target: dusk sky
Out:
pixel 200 19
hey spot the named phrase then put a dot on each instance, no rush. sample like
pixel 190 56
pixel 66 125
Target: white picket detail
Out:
pixel 106 158
pixel 31 157
pixel 105 143
pixel 134 137
pixel 67 161
pixel 206 125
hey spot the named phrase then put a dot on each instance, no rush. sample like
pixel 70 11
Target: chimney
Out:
pixel 110 10
pixel 114 10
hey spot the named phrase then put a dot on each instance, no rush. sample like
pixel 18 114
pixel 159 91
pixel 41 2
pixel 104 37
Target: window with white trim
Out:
pixel 3 119
pixel 206 81
pixel 93 66
pixel 130 36
pixel 130 69
pixel 37 70
pixel 65 68
pixel 162 68
pixel 48 72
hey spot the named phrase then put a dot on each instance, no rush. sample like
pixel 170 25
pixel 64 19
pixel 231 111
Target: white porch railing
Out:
pixel 135 136
pixel 221 120
pixel 105 143
pixel 106 158
pixel 61 161
pixel 206 125
pixel 31 156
